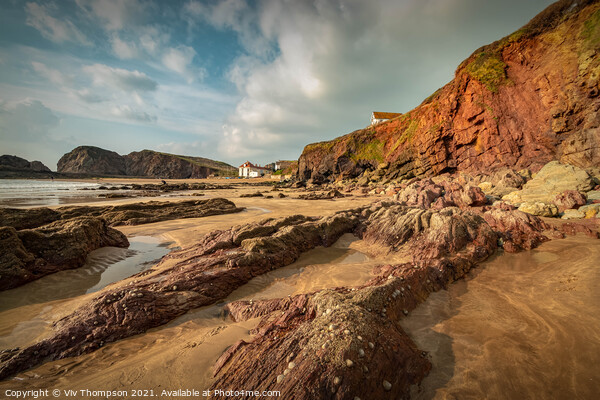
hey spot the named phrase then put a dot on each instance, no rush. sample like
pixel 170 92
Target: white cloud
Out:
pixel 57 30
pixel 114 14
pixel 180 60
pixel 122 49
pixel 53 75
pixel 25 121
pixel 127 112
pixel 119 78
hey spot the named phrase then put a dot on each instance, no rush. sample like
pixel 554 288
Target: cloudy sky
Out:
pixel 231 79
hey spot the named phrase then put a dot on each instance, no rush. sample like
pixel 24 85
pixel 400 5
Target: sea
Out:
pixel 31 193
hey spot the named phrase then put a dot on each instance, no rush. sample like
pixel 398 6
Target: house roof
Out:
pixel 248 164
pixel 385 115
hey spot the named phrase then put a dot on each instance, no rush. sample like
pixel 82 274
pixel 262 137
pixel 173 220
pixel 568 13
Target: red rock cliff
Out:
pixel 522 101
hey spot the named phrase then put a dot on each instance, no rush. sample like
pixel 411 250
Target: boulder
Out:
pixel 553 179
pixel 572 214
pixel 539 209
pixel 570 199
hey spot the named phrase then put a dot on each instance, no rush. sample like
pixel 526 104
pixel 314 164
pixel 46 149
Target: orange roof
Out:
pixel 385 115
pixel 248 164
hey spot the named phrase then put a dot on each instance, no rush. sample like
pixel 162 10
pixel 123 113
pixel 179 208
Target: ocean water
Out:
pixel 29 192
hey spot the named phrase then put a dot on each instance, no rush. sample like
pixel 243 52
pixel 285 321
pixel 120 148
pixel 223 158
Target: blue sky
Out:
pixel 230 80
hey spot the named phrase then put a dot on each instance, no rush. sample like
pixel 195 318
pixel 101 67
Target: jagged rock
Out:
pixel 30 254
pixel 570 199
pixel 540 209
pixel 332 194
pixel 518 230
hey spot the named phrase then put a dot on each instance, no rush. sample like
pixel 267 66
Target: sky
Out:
pixel 230 80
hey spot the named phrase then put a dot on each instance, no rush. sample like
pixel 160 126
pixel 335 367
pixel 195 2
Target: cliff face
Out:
pixel 14 163
pixel 147 163
pixel 522 101
pixel 92 160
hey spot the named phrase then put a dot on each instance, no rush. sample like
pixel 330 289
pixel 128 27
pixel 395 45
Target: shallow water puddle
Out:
pixel 523 325
pixel 24 311
pixel 163 357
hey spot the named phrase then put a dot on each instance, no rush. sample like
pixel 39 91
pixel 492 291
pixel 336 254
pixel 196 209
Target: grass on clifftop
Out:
pixel 590 33
pixel 488 69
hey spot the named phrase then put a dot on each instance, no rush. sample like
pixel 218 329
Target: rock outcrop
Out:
pixel 30 254
pixel 91 160
pixel 335 343
pixel 525 100
pixel 41 241
pixel 13 167
pixel 123 214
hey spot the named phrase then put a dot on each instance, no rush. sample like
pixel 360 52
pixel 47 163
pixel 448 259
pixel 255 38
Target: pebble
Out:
pixel 280 378
pixel 346 332
pixel 332 327
pixel 405 312
pixel 387 386
pixel 409 287
pixel 349 363
pixel 291 365
pixel 95 322
pixel 401 289
pixel 174 287
pixel 365 369
pixel 356 398
pixel 428 281
pixel 359 337
pixel 286 371
pixel 371 345
pixel 325 345
pixel 383 310
pixel 337 380
pixel 73 338
pixel 361 353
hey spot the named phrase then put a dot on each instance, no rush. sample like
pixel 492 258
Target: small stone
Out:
pixel 337 380
pixel 356 398
pixel 280 378
pixel 325 345
pixel 286 371
pixel 401 289
pixel 291 365
pixel 95 322
pixel 346 332
pixel 349 363
pixel 359 337
pixel 365 369
pixel 383 310
pixel 73 338
pixel 387 386
pixel 361 353
pixel 405 312
pixel 428 281
pixel 371 345
pixel 332 327
pixel 408 286
pixel 174 287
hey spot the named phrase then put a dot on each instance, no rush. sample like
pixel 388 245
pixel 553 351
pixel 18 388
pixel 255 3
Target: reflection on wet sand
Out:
pixel 26 310
pixel 163 357
pixel 520 326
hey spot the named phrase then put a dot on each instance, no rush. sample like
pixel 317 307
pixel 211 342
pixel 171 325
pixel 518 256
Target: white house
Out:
pixel 377 117
pixel 249 170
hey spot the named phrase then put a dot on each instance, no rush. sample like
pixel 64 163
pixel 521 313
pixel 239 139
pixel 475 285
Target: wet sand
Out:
pixel 181 353
pixel 522 326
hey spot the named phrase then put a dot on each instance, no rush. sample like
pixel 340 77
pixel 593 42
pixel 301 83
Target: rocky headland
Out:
pixel 94 161
pixel 17 167
pixel 520 102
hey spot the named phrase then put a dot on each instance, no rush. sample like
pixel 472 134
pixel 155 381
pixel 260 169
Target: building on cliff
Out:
pixel 377 117
pixel 249 170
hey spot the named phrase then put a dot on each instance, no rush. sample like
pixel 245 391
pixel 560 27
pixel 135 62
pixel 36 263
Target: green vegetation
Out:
pixel 488 69
pixel 590 33
pixel 371 150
